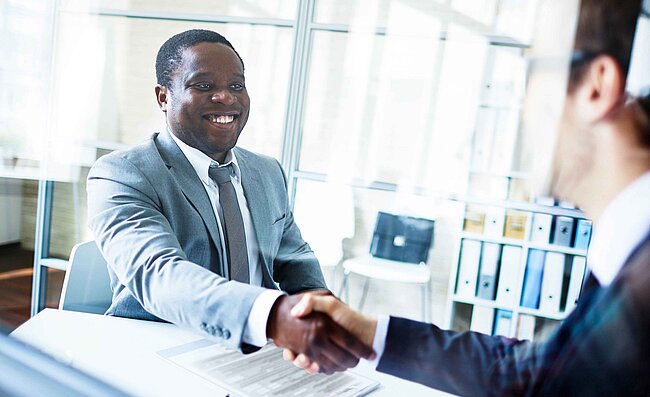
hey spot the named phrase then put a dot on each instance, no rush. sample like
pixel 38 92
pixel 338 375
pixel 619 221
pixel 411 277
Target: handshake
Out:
pixel 319 333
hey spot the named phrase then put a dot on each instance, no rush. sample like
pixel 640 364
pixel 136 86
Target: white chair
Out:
pixel 399 241
pixel 325 214
pixel 86 286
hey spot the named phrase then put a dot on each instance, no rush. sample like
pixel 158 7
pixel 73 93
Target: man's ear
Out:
pixel 162 96
pixel 603 87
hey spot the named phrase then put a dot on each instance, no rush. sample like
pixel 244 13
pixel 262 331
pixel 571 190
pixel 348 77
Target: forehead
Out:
pixel 213 58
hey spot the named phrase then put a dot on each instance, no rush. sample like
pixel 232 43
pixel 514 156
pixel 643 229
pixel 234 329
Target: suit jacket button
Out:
pixel 203 326
pixel 226 334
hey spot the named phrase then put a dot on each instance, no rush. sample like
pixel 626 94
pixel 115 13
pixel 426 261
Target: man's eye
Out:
pixel 237 86
pixel 203 86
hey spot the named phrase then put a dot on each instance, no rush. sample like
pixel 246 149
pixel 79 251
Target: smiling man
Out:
pixel 197 231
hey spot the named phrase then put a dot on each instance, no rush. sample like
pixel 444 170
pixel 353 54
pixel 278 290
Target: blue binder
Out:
pixel 533 279
pixel 583 234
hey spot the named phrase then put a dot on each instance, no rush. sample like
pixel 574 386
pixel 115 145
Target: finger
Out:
pixel 311 302
pixel 302 361
pixel 303 307
pixel 314 368
pixel 288 355
pixel 350 343
pixel 329 355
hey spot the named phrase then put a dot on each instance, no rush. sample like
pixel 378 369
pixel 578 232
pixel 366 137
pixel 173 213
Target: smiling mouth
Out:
pixel 222 119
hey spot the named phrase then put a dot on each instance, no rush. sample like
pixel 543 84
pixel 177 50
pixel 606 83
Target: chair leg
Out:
pixel 364 295
pixel 344 287
pixel 424 292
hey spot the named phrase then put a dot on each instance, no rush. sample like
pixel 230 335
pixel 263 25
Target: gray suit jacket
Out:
pixel 153 221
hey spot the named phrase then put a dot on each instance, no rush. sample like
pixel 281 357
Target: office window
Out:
pixel 285 9
pixel 106 92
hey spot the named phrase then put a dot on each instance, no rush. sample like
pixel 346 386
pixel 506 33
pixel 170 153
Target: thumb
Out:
pixel 304 307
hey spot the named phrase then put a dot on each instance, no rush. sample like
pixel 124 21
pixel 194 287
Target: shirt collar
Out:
pixel 202 162
pixel 620 229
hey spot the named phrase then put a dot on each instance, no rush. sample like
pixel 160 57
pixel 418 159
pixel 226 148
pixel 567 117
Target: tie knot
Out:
pixel 220 175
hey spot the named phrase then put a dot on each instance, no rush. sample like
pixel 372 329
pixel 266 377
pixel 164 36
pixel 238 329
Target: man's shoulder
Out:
pixel 247 155
pixel 140 155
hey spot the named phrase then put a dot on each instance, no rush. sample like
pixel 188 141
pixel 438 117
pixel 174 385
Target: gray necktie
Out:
pixel 233 225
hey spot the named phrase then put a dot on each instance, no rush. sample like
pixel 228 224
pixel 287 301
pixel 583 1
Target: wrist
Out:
pixel 272 323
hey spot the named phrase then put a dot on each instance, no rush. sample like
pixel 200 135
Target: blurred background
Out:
pixel 439 110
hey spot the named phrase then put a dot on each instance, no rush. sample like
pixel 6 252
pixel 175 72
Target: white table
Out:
pixel 122 352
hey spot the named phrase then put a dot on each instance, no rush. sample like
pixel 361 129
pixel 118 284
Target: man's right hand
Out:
pixel 363 327
pixel 315 336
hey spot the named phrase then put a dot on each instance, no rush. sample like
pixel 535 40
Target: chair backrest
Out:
pixel 402 238
pixel 86 287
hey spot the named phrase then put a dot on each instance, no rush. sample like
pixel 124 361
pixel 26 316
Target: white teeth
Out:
pixel 221 119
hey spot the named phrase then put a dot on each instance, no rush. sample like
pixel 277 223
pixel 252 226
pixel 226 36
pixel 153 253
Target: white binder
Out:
pixel 508 275
pixel 549 300
pixel 482 320
pixel 487 277
pixel 470 256
pixel 575 281
pixel 541 229
pixel 495 220
pixel 526 327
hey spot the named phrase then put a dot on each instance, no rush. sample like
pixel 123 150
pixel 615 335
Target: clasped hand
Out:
pixel 320 333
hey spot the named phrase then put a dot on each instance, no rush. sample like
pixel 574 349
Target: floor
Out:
pixel 16 286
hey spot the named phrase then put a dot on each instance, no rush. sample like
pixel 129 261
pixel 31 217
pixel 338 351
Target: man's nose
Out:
pixel 223 96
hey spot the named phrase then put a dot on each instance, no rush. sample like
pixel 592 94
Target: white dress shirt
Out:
pixel 621 228
pixel 255 330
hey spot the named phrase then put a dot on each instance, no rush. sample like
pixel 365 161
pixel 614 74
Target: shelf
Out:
pixel 496 240
pixel 538 313
pixel 556 248
pixel 481 302
pixel 515 309
pixel 524 243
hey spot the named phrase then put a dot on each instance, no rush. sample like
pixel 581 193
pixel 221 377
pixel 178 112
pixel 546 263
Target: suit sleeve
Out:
pixel 142 250
pixel 295 266
pixel 465 364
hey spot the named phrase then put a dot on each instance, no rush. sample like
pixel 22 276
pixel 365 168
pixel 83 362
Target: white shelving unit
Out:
pixel 526 245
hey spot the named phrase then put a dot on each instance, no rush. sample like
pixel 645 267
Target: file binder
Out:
pixel 502 323
pixel 508 275
pixel 495 221
pixel 575 281
pixel 470 256
pixel 515 225
pixel 541 229
pixel 490 255
pixel 526 327
pixel 533 279
pixel 563 231
pixel 551 289
pixel 482 320
pixel 583 234
pixel 474 220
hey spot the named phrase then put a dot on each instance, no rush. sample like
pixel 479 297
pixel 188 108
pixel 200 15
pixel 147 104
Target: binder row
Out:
pixel 497 222
pixel 551 282
pixel 489 321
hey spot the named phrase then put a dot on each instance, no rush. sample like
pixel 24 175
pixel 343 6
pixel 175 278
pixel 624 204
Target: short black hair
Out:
pixel 170 54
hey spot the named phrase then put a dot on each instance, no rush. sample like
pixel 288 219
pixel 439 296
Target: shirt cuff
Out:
pixel 255 331
pixel 379 344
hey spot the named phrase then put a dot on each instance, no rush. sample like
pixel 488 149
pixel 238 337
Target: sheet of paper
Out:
pixel 263 373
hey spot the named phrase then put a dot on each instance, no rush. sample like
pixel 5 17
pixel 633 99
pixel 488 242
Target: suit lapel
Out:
pixel 258 205
pixel 192 187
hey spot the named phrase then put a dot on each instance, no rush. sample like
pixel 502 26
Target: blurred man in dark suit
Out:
pixel 602 163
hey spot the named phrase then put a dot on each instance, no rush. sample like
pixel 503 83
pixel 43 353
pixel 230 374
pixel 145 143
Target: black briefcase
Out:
pixel 402 238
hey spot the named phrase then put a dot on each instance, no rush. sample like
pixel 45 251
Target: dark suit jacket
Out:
pixel 601 349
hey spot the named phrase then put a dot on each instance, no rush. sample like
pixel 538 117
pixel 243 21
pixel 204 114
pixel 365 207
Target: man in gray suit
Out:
pixel 197 231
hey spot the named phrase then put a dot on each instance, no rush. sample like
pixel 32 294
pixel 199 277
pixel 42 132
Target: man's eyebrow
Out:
pixel 195 75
